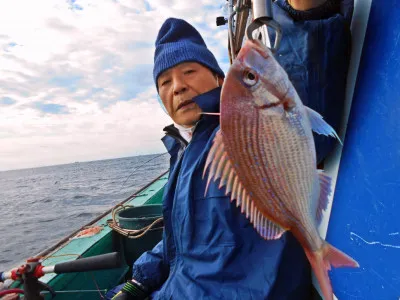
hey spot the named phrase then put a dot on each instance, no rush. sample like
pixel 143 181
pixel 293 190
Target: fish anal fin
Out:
pixel 265 227
pixel 319 125
pixel 325 191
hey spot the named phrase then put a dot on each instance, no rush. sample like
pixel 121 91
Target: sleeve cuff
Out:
pixel 138 277
pixel 139 285
pixel 134 291
pixel 324 11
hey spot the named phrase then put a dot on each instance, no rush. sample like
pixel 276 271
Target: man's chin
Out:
pixel 189 118
pixel 188 122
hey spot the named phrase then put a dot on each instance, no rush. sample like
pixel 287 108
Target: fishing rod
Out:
pixel 141 165
pixel 32 270
pixel 247 17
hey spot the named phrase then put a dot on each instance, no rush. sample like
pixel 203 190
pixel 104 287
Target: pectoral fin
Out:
pixel 319 126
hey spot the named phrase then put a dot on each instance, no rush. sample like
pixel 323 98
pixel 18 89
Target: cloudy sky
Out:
pixel 76 77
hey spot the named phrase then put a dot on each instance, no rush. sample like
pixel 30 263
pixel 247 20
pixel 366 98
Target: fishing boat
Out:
pixel 94 240
pixel 98 256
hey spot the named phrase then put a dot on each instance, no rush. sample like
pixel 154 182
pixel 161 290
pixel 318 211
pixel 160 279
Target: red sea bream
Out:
pixel 264 154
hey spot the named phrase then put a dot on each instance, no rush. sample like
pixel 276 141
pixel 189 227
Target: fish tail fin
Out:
pixel 337 258
pixel 321 262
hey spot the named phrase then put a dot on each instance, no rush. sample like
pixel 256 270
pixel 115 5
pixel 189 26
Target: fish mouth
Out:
pixel 268 105
pixel 184 103
pixel 256 46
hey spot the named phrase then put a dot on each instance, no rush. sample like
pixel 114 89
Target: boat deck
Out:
pixel 102 241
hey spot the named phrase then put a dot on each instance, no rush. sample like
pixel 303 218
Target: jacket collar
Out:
pixel 208 102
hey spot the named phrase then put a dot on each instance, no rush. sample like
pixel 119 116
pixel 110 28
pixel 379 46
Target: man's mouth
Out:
pixel 184 103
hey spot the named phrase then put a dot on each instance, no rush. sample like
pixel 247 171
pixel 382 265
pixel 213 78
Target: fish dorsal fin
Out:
pixel 221 167
pixel 319 125
pixel 325 191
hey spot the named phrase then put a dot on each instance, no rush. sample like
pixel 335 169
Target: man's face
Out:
pixel 179 85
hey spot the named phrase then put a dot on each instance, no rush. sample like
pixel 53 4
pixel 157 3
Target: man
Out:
pixel 209 249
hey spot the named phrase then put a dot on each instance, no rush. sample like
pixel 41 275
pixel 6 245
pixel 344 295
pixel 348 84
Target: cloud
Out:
pixel 89 132
pixel 76 77
pixel 131 82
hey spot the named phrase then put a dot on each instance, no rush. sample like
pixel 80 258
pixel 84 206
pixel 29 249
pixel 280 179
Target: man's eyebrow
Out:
pixel 188 63
pixel 165 73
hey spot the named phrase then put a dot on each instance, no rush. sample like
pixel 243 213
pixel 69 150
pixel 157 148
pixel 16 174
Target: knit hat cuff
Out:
pixel 171 54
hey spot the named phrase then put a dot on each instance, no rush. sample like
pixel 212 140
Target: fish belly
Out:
pixel 273 160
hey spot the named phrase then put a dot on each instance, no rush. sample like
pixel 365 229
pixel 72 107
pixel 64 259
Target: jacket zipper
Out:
pixel 170 132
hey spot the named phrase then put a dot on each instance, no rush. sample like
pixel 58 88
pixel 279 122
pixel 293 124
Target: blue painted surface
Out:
pixel 51 108
pixel 365 219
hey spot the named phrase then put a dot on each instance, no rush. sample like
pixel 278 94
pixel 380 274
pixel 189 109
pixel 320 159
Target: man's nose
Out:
pixel 180 85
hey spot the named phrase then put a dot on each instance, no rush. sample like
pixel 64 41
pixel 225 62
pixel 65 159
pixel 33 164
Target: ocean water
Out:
pixel 40 206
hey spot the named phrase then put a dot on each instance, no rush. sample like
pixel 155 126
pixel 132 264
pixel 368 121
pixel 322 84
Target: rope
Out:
pixel 129 233
pixel 42 258
pixel 75 291
pixel 97 286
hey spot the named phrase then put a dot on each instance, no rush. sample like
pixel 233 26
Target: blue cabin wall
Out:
pixel 365 216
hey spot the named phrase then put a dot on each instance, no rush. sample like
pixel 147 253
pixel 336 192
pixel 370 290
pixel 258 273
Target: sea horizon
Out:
pixel 81 161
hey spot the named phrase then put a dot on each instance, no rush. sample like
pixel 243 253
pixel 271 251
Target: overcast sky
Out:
pixel 76 77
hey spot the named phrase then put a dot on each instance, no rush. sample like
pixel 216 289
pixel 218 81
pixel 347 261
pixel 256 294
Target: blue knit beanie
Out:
pixel 178 42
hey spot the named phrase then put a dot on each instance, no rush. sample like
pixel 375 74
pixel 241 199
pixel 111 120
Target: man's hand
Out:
pixel 305 4
pixel 9 296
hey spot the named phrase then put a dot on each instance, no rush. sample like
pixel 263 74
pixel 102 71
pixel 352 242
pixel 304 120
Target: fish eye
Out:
pixel 250 77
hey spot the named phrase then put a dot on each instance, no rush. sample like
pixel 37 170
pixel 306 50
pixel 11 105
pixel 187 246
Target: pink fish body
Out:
pixel 265 155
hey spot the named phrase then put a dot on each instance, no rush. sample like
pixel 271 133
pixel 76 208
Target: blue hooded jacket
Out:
pixel 209 249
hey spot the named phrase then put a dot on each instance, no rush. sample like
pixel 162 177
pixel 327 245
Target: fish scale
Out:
pixel 276 173
pixel 248 204
pixel 280 159
pixel 240 127
pixel 249 151
pixel 264 156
